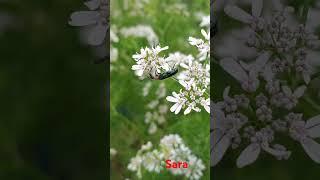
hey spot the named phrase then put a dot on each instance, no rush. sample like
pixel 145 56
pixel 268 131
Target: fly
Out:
pixel 164 75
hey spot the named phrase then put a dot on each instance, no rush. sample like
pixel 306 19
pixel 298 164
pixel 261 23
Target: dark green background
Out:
pixel 52 97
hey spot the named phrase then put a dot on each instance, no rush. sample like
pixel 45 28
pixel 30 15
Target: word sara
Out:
pixel 175 165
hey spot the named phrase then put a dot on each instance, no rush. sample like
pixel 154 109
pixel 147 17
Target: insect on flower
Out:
pixel 164 75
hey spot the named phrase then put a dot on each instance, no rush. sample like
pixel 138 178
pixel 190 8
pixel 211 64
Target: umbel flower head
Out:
pixel 194 79
pixel 268 106
pixel 142 31
pixel 173 148
pixel 149 61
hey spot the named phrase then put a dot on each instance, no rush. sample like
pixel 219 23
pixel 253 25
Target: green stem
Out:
pixel 305 11
pixel 165 29
pixel 312 102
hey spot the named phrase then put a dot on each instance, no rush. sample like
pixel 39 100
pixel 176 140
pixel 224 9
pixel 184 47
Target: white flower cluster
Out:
pixel 171 147
pixel 149 62
pixel 135 7
pixel 273 85
pixel 289 42
pixel 141 31
pixel 178 8
pixel 203 45
pixel 195 79
pixel 157 110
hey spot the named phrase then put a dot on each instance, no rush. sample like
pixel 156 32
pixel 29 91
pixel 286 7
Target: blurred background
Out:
pixel 52 96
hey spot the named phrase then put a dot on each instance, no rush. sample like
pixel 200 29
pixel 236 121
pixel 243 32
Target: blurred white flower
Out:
pixel 113 152
pixel 170 141
pixel 178 8
pixel 146 88
pixel 152 161
pixel 135 7
pixel 95 20
pixel 141 31
pixel 135 165
pixel 113 54
pixel 195 169
pixel 205 21
pixel 113 36
pixel 172 148
pixel 157 110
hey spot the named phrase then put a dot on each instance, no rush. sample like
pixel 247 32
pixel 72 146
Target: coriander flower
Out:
pixel 195 169
pixel 202 45
pixel 135 165
pixel 156 114
pixel 205 21
pixel 142 31
pixel 178 58
pixel 149 61
pixel 171 141
pixel 179 101
pixel 173 148
pixel 152 161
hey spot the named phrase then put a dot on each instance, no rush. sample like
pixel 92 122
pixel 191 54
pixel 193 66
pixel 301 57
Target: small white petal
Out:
pixel 178 108
pixel 299 91
pixel 312 148
pixel 260 62
pixel 218 118
pixel 136 67
pixel 234 69
pixel 97 35
pixel 226 92
pixel 237 13
pixel 171 99
pixel 174 107
pixel 313 126
pixel 187 111
pixel 83 18
pixel 274 152
pixel 219 149
pixel 248 155
pixel 175 94
pixel 256 7
pixel 306 78
pixel 207 108
pixel 93 4
pixel 139 72
pixel 287 90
